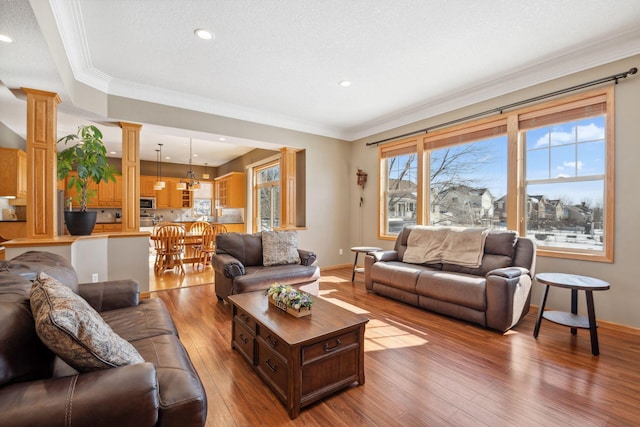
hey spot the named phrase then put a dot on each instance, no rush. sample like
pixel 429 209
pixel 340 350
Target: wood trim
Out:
pixel 42 183
pixel 287 188
pixel 130 176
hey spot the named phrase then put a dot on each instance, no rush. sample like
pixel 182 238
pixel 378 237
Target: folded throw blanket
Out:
pixel 453 245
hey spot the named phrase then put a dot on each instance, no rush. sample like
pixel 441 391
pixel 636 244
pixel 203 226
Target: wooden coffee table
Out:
pixel 301 359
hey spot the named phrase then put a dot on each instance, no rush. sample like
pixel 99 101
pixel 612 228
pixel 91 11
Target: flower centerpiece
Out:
pixel 289 299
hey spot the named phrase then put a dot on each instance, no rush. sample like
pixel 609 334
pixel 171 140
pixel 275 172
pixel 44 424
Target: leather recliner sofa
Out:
pixel 496 295
pixel 39 389
pixel 239 268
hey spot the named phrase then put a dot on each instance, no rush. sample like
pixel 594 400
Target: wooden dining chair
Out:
pixel 170 247
pixel 208 246
pixel 196 231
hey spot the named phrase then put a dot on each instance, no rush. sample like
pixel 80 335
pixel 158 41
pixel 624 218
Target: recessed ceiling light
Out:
pixel 345 83
pixel 222 139
pixel 5 39
pixel 195 155
pixel 112 152
pixel 167 158
pixel 203 34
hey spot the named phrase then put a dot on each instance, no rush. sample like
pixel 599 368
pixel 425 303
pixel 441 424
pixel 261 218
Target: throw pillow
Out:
pixel 72 329
pixel 280 247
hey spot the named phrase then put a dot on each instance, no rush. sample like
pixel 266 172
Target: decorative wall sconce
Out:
pixel 362 178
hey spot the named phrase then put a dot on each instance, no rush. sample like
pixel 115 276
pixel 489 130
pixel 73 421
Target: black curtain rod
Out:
pixel 501 109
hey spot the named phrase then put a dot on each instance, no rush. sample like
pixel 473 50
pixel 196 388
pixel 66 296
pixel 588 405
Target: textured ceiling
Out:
pixel 279 62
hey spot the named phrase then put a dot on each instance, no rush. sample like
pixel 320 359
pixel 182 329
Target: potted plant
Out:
pixel 88 157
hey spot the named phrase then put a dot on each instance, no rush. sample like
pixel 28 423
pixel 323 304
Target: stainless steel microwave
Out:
pixel 147 202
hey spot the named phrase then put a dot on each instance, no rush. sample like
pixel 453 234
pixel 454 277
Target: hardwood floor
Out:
pixel 425 369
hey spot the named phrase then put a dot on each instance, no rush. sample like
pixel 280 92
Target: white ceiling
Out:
pixel 279 62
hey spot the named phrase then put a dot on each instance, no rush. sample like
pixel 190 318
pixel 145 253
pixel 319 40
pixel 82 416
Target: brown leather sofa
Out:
pixel 495 295
pixel 238 265
pixel 39 389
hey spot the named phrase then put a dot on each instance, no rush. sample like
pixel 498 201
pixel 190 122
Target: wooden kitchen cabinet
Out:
pixel 230 190
pixel 13 173
pixel 110 193
pixel 146 186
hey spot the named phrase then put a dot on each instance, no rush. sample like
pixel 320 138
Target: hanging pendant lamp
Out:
pixel 159 184
pixel 192 183
pixel 205 175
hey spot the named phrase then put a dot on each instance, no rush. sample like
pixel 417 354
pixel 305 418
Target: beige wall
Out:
pixel 620 304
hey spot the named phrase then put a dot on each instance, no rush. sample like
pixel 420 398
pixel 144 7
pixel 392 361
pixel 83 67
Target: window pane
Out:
pixel 402 184
pixel 566 214
pixel 467 181
pixel 591 129
pixel 538 164
pixel 268 175
pixel 591 158
pixel 563 161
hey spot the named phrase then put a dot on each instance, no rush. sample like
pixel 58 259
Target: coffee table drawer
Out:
pixel 330 346
pixel 244 341
pixel 274 342
pixel 248 321
pixel 273 370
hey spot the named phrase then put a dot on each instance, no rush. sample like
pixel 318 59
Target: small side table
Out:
pixel 357 250
pixel 573 320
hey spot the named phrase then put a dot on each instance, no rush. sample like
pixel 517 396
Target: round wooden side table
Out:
pixel 575 283
pixel 357 250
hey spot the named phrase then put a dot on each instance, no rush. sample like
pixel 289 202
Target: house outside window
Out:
pixel 267 196
pixel 545 171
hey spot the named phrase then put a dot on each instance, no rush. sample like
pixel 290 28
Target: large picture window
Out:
pixel 545 171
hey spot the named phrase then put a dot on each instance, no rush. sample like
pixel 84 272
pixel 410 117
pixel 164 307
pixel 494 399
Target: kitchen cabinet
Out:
pixel 107 228
pixel 169 197
pixel 110 193
pixel 230 190
pixel 13 173
pixel 146 186
pixel 13 229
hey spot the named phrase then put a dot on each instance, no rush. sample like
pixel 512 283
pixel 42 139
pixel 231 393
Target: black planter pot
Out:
pixel 80 223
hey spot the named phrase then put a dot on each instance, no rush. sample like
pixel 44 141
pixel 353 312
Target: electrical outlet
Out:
pixel 94 277
pixel 339 251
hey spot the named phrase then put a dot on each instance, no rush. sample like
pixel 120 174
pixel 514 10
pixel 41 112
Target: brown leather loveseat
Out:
pixel 240 264
pixel 37 388
pixel 496 294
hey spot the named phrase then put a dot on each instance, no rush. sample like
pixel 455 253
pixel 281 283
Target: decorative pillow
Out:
pixel 72 329
pixel 280 247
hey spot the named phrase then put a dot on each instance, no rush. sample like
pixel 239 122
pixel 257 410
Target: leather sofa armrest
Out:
pixel 508 292
pixel 124 396
pixel 307 257
pixel 111 295
pixel 508 272
pixel 230 266
pixel 384 255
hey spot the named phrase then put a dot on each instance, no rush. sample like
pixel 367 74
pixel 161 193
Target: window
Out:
pixel 400 172
pixel 545 171
pixel 267 196
pixel 466 181
pixel 566 170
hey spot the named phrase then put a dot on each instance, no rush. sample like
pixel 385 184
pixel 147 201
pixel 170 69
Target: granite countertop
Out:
pixel 13 220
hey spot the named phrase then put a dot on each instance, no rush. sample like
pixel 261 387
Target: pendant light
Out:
pixel 205 175
pixel 192 183
pixel 159 184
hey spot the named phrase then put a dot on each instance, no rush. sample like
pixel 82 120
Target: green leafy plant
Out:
pixel 88 157
pixel 289 296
